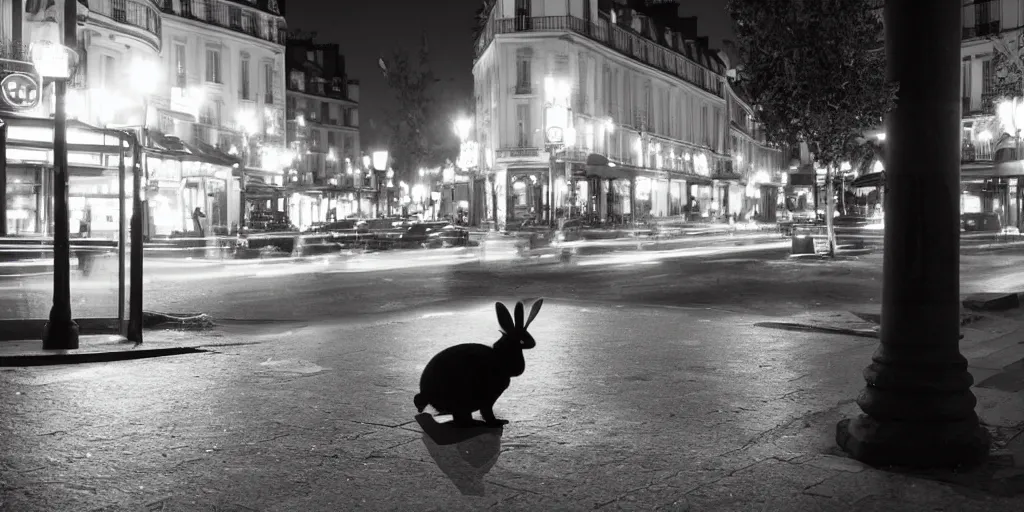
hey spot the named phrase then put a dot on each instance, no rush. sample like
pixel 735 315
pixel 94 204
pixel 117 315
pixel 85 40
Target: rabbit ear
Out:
pixel 519 314
pixel 504 318
pixel 533 312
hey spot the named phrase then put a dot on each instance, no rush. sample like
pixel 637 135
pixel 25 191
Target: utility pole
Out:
pixel 918 405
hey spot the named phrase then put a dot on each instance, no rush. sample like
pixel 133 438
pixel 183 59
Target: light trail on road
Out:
pixel 648 257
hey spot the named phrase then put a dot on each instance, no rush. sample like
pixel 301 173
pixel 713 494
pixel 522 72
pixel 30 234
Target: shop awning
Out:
pixel 169 146
pixel 258 190
pixel 610 173
pixel 874 179
pixel 174 114
pixel 1010 169
pixel 727 176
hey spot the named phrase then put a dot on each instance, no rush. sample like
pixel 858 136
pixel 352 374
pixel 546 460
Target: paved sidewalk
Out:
pixel 620 408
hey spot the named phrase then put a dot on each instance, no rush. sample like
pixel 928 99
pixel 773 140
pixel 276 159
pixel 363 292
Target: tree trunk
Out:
pixel 830 206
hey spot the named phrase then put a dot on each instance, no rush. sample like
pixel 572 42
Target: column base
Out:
pixel 60 336
pixel 914 444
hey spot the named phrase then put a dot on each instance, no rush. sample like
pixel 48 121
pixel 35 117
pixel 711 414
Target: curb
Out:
pixel 788 326
pixel 96 357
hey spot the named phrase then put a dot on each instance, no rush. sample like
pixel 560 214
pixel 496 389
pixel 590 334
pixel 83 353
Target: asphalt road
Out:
pixel 760 278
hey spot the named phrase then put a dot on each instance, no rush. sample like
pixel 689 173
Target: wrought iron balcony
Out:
pixel 522 89
pixel 627 42
pixel 232 17
pixel 136 13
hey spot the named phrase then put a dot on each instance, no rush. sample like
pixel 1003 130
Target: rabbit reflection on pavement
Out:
pixel 465 454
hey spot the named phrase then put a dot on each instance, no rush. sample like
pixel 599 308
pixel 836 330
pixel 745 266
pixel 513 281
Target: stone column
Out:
pixel 918 405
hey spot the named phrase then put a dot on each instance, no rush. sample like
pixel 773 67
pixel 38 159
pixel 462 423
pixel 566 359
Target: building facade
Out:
pixel 610 115
pixel 223 97
pixel 992 107
pixel 323 130
pixel 110 38
pixel 202 84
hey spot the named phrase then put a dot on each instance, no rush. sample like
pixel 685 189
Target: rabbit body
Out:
pixel 471 377
pixel 466 378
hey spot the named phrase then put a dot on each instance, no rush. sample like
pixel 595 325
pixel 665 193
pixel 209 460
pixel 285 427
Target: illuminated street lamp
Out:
pixel 56 63
pixel 462 128
pixel 380 160
pixel 558 129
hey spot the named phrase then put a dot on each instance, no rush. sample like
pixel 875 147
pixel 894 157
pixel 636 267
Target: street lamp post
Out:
pixel 557 109
pixel 918 407
pixel 463 129
pixel 144 77
pixel 56 62
pixel 380 164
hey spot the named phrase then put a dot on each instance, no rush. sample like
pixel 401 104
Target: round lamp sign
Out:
pixel 555 135
pixel 20 90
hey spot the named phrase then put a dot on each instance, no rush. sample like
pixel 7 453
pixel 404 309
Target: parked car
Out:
pixel 347 232
pixel 433 235
pixel 980 222
pixel 422 234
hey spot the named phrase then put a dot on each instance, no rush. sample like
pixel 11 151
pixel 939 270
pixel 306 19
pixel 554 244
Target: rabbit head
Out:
pixel 515 330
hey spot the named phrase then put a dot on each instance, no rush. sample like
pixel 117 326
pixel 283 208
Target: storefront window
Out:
pixel 970 203
pixel 23 212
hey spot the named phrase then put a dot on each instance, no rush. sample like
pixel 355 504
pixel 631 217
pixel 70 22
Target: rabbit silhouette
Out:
pixel 471 377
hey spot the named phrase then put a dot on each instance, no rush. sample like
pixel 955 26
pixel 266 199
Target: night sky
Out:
pixel 369 29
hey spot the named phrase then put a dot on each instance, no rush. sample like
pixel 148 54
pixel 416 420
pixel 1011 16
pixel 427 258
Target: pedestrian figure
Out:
pixel 197 225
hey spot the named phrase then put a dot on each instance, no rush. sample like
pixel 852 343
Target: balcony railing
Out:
pixel 617 38
pixel 137 13
pixel 981 30
pixel 231 17
pixel 14 50
pixel 988 102
pixel 317 87
pixel 976 152
pixel 522 89
pixel 517 153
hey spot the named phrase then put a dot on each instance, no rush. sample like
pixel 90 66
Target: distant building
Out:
pixel 992 107
pixel 612 114
pixel 323 130
pixel 224 94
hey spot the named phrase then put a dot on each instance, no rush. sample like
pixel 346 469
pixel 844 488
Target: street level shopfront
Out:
pixel 94 190
pixel 622 194
pixel 994 189
pixel 184 179
pixel 309 206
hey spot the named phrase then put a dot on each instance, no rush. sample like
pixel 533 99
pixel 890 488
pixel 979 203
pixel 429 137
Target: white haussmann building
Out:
pixel 611 116
pixel 206 79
